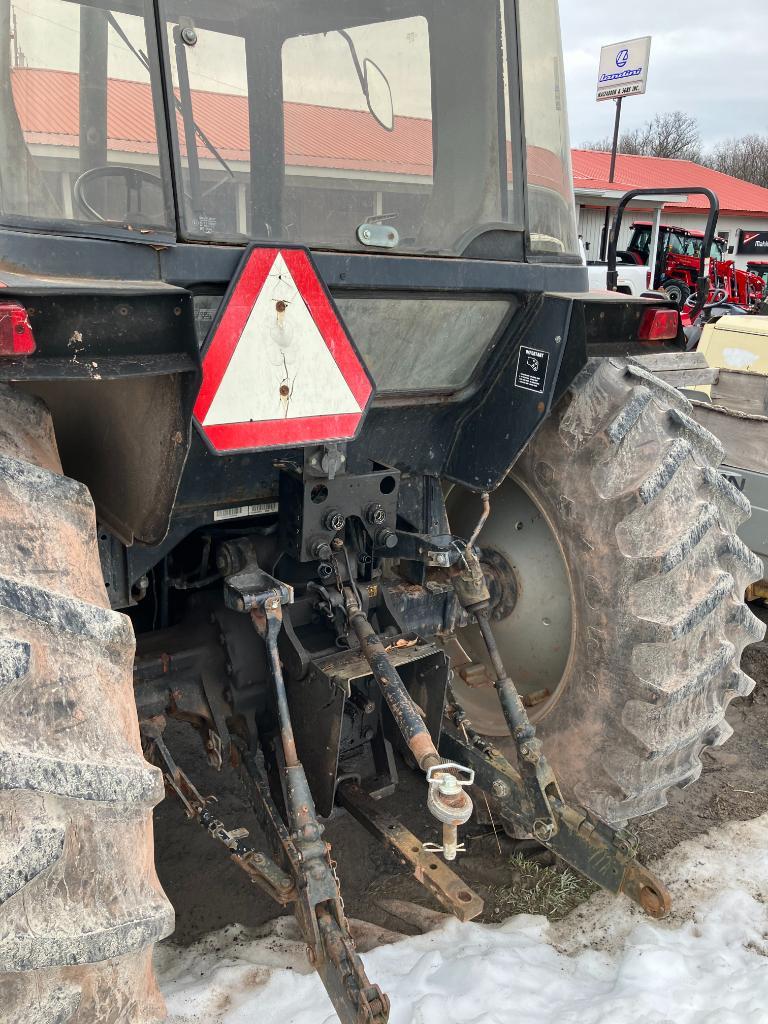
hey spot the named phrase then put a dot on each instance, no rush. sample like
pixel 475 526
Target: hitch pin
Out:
pixel 446 802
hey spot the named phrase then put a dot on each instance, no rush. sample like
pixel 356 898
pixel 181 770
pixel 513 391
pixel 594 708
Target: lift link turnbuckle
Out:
pixel 543 790
pixel 319 908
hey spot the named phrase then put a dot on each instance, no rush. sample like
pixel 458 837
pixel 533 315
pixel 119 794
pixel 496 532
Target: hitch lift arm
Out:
pixel 531 797
pixel 319 908
pixel 605 856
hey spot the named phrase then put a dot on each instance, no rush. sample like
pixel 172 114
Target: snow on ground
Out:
pixel 606 962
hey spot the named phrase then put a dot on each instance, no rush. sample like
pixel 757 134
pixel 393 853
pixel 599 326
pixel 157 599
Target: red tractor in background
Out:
pixel 677 263
pixel 742 287
pixel 759 268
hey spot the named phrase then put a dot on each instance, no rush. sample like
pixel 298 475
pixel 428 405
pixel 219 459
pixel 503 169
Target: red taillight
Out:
pixel 16 337
pixel 659 325
pixel 648 280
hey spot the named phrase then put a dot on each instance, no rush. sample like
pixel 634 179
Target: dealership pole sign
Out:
pixel 624 69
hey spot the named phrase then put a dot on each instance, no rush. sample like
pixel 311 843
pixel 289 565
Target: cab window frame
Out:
pixel 514 251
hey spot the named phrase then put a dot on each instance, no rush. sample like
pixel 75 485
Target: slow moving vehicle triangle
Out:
pixel 279 367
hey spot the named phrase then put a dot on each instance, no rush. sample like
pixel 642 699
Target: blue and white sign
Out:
pixel 624 69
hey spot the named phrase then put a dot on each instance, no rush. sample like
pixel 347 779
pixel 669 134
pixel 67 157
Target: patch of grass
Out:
pixel 540 889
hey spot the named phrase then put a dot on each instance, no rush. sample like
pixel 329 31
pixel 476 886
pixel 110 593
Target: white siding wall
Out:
pixel 591 222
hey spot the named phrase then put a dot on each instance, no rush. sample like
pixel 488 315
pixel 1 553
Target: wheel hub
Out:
pixel 501 582
pixel 531 601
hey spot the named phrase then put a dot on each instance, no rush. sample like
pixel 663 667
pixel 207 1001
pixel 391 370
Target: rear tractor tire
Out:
pixel 80 903
pixel 619 584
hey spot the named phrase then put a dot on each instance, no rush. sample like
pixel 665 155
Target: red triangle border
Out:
pixel 247 436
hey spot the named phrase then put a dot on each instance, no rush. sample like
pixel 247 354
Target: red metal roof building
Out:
pixel 322 137
pixel 743 206
pixel 322 140
pixel 322 146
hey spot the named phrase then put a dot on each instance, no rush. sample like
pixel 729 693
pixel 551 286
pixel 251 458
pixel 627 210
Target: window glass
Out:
pixel 455 335
pixel 344 125
pixel 551 210
pixel 642 242
pixel 212 128
pixel 387 165
pixel 78 121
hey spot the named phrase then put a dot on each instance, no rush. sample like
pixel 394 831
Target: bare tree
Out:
pixel 674 134
pixel 745 158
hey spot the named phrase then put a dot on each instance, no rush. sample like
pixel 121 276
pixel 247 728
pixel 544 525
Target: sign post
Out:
pixel 623 72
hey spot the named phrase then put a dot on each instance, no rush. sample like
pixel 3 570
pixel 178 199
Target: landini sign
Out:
pixel 624 69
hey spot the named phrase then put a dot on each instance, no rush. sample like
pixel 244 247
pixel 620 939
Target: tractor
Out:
pixel 760 269
pixel 313 438
pixel 742 287
pixel 677 260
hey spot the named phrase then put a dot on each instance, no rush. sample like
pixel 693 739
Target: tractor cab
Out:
pixel 760 269
pixel 330 124
pixel 677 263
pixel 149 144
pixel 675 240
pixel 672 240
pixel 718 249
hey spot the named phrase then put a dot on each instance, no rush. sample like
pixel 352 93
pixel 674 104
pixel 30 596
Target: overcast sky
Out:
pixel 708 58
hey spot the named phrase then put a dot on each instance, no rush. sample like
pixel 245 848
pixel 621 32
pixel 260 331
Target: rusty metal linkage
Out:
pixel 404 711
pixel 605 856
pixel 541 784
pixel 447 798
pixel 319 908
pixel 433 873
pixel 260 869
pixel 303 873
pixel 531 796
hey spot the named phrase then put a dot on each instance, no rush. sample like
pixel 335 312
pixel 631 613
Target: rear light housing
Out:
pixel 16 337
pixel 659 325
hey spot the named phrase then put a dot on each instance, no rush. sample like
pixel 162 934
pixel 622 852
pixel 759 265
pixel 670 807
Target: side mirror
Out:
pixel 375 86
pixel 378 95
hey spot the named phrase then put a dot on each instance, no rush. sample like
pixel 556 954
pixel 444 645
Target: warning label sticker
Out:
pixel 531 372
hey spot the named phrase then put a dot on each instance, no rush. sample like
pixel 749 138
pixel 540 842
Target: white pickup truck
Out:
pixel 633 278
